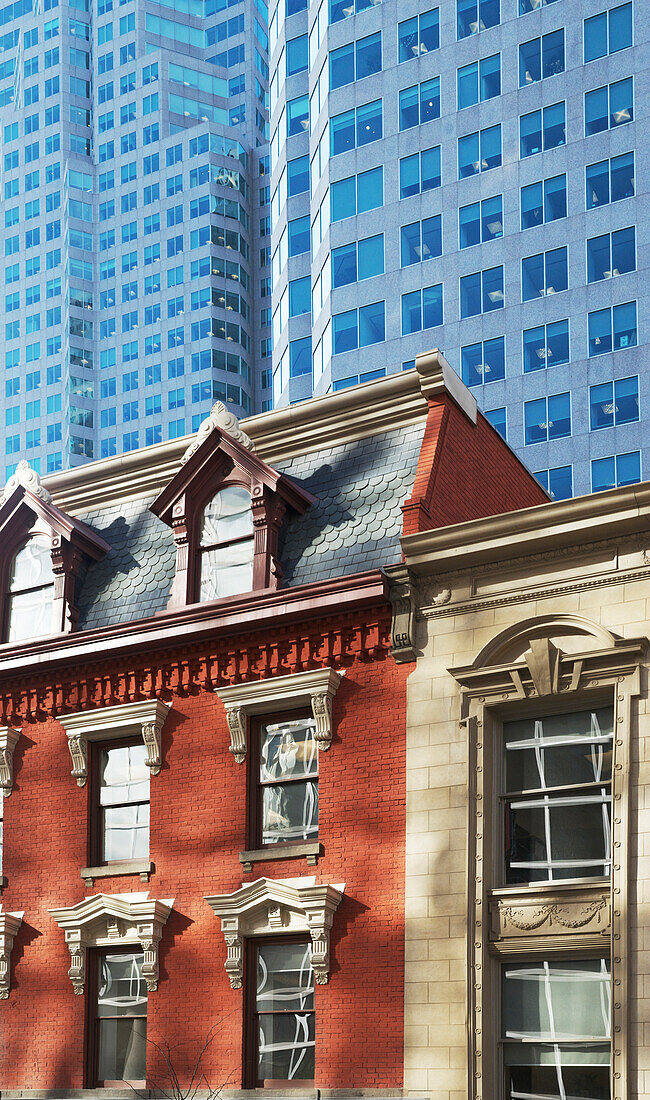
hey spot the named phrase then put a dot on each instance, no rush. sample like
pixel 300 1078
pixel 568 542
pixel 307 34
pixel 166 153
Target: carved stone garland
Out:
pixel 544 672
pixel 104 921
pixel 146 718
pixel 9 925
pixel 271 906
pixel 315 688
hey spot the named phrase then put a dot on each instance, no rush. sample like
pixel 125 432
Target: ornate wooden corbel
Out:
pixel 402 593
pixel 237 722
pixel 78 747
pixel 8 741
pixel 9 925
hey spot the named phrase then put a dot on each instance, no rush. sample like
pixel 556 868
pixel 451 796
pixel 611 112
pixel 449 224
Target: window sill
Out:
pixel 289 849
pixel 141 867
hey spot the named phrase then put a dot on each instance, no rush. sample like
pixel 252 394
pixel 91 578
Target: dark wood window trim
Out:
pixel 251 1031
pixel 95 954
pixel 283 849
pixel 99 867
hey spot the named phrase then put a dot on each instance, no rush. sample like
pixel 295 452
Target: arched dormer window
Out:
pixel 42 551
pixel 31 591
pixel 226 544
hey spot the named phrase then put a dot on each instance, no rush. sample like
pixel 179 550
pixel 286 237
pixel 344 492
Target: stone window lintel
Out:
pixel 117 920
pixel 276 906
pixel 315 688
pixel 145 717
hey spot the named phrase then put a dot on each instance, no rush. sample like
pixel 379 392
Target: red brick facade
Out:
pixel 198 828
pixel 466 471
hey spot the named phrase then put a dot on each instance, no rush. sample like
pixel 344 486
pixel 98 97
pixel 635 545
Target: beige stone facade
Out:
pixel 541 612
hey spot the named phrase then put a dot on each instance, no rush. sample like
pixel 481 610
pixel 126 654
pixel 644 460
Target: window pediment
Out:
pixel 222 458
pixel 113 921
pixel 145 717
pixel 275 906
pixel 26 512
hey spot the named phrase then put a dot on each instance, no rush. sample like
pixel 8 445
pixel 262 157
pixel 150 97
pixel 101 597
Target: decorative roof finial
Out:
pixel 226 422
pixel 29 479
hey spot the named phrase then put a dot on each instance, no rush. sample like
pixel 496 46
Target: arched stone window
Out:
pixel 226 544
pixel 31 591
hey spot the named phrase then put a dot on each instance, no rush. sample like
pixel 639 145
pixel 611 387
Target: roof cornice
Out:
pixel 544 528
pixel 319 423
pixel 228 617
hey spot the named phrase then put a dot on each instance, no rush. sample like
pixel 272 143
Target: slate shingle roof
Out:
pixel 354 525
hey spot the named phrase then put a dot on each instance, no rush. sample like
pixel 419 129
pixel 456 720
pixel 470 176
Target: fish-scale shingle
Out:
pixel 354 525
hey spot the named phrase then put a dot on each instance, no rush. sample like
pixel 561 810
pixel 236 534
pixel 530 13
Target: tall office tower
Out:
pixel 134 176
pixel 466 175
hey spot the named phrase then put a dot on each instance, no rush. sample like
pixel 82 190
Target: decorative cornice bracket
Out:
pixel 315 688
pixel 8 741
pixel 146 717
pixel 269 906
pixel 9 925
pixel 403 595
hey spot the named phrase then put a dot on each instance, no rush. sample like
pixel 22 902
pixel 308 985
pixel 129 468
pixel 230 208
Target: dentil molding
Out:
pixel 315 688
pixel 9 925
pixel 117 920
pixel 271 907
pixel 8 741
pixel 145 717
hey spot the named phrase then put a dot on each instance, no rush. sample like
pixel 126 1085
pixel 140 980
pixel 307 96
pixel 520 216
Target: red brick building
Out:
pixel 203 740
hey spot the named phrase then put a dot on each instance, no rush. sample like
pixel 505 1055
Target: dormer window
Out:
pixel 43 551
pixel 31 591
pixel 226 544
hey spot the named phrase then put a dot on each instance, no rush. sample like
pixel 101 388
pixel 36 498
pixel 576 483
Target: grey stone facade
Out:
pixel 570 157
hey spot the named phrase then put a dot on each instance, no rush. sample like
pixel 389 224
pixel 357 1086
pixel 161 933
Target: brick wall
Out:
pixel 466 471
pixel 198 814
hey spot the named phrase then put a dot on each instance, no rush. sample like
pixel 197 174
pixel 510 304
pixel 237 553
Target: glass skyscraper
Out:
pixel 134 221
pixel 466 175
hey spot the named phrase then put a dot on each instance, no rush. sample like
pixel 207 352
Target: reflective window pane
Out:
pixel 622 177
pixel 597 184
pixel 411 312
pixel 625 333
pixel 227 516
pixel 370 189
pixel 227 570
pixel 122 1020
pixel 284 1013
pixel 344 265
pixel 432 306
pixel 556 1028
pixel 31 587
pixel 430 168
pixel 124 802
pixel 559 833
pixel 469 223
pixel 409 176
